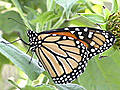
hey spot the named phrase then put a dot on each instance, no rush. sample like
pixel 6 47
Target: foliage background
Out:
pixel 39 15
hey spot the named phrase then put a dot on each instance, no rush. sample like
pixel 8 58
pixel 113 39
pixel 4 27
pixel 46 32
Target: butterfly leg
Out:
pixel 20 39
pixel 10 42
pixel 28 50
pixel 31 58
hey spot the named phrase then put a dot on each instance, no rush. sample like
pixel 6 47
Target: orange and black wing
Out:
pixel 64 53
pixel 61 57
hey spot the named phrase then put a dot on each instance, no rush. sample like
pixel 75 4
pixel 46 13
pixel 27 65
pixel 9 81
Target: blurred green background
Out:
pixel 42 15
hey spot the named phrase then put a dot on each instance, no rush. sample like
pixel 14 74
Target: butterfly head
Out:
pixel 33 39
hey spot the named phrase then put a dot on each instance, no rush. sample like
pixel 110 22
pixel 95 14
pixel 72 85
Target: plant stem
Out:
pixel 60 21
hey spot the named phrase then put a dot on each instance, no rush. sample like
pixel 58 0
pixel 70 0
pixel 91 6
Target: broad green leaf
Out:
pixel 14 83
pixel 17 5
pixel 67 5
pixel 59 22
pixel 94 17
pixel 20 59
pixel 40 87
pixel 102 74
pixel 31 13
pixel 82 21
pixel 89 6
pixel 69 87
pixel 115 6
pixel 3 60
pixel 106 13
pixel 45 17
pixel 50 5
pixel 8 25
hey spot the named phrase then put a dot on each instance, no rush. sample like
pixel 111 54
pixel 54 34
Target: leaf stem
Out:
pixel 60 21
pixel 17 5
pixel 13 83
pixel 88 5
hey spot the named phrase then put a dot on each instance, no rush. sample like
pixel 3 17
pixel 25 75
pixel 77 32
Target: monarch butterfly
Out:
pixel 65 52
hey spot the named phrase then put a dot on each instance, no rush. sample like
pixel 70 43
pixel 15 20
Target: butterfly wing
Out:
pixel 62 58
pixel 64 53
pixel 96 40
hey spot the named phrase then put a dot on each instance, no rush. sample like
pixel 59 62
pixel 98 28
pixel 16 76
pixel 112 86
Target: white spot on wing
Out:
pixel 79 33
pixel 39 42
pixel 72 32
pixel 78 46
pixel 81 37
pixel 71 38
pixel 90 34
pixel 107 40
pixel 77 42
pixel 66 29
pixel 86 29
pixel 77 29
pixel 111 39
pixel 106 36
pixel 104 45
pixel 92 43
pixel 64 37
pixel 33 38
pixel 36 34
pixel 92 50
pixel 83 51
pixel 53 34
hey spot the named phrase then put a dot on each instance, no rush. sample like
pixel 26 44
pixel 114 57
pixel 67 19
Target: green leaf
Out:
pixel 41 87
pixel 106 13
pixel 115 6
pixel 94 17
pixel 102 74
pixel 50 5
pixel 89 6
pixel 17 5
pixel 67 5
pixel 3 60
pixel 82 21
pixel 44 18
pixel 13 83
pixel 69 87
pixel 31 13
pixel 8 25
pixel 20 59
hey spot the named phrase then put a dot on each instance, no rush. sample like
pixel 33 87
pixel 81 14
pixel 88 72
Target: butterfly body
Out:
pixel 65 52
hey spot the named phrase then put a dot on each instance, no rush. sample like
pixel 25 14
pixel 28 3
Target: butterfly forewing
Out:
pixel 65 52
pixel 96 41
pixel 62 58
